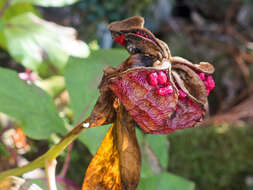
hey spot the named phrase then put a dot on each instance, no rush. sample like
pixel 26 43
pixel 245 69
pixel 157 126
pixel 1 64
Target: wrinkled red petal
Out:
pixel 165 90
pixel 154 113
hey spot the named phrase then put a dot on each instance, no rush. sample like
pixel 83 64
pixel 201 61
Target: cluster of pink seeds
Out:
pixel 208 82
pixel 160 80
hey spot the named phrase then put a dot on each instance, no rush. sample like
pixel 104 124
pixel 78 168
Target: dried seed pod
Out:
pixel 138 39
pixel 161 93
pixel 183 107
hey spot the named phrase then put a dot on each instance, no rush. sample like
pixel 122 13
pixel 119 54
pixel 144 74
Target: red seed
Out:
pixel 138 33
pixel 153 79
pixel 146 36
pixel 211 83
pixel 182 94
pixel 202 76
pixel 164 91
pixel 120 39
pixel 162 77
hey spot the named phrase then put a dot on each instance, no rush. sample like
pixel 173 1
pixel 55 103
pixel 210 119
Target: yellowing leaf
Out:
pixel 116 165
pixel 103 171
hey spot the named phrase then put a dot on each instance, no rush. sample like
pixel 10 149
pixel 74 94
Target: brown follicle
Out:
pixel 158 105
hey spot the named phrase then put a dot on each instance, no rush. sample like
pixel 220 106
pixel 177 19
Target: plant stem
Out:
pixel 50 171
pixel 38 163
pixel 50 155
pixel 66 163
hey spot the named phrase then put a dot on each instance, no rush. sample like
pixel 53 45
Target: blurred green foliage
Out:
pixel 30 105
pixel 112 10
pixel 37 44
pixel 213 157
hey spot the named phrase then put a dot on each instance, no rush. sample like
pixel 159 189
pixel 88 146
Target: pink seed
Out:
pixel 211 83
pixel 164 91
pixel 153 79
pixel 138 33
pixel 206 84
pixel 182 94
pixel 202 76
pixel 146 36
pixel 162 77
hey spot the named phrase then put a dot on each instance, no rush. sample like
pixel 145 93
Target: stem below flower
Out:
pixel 50 171
pixel 50 155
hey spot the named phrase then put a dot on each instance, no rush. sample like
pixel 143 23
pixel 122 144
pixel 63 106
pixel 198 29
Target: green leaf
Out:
pixel 33 41
pixel 159 145
pixel 30 105
pixel 48 3
pixel 166 181
pixel 2 37
pixel 3 3
pixel 18 9
pixel 82 79
pixel 93 137
pixel 145 167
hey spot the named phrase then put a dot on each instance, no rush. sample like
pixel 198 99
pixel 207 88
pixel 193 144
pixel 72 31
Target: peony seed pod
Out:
pixel 161 93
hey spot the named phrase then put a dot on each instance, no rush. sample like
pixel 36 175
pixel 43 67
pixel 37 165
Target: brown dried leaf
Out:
pixel 103 171
pixel 103 112
pixel 137 44
pixel 116 165
pixel 132 22
pixel 204 67
pixel 138 39
pixel 190 83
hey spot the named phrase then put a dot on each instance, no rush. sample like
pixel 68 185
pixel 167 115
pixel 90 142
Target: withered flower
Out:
pixel 159 92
